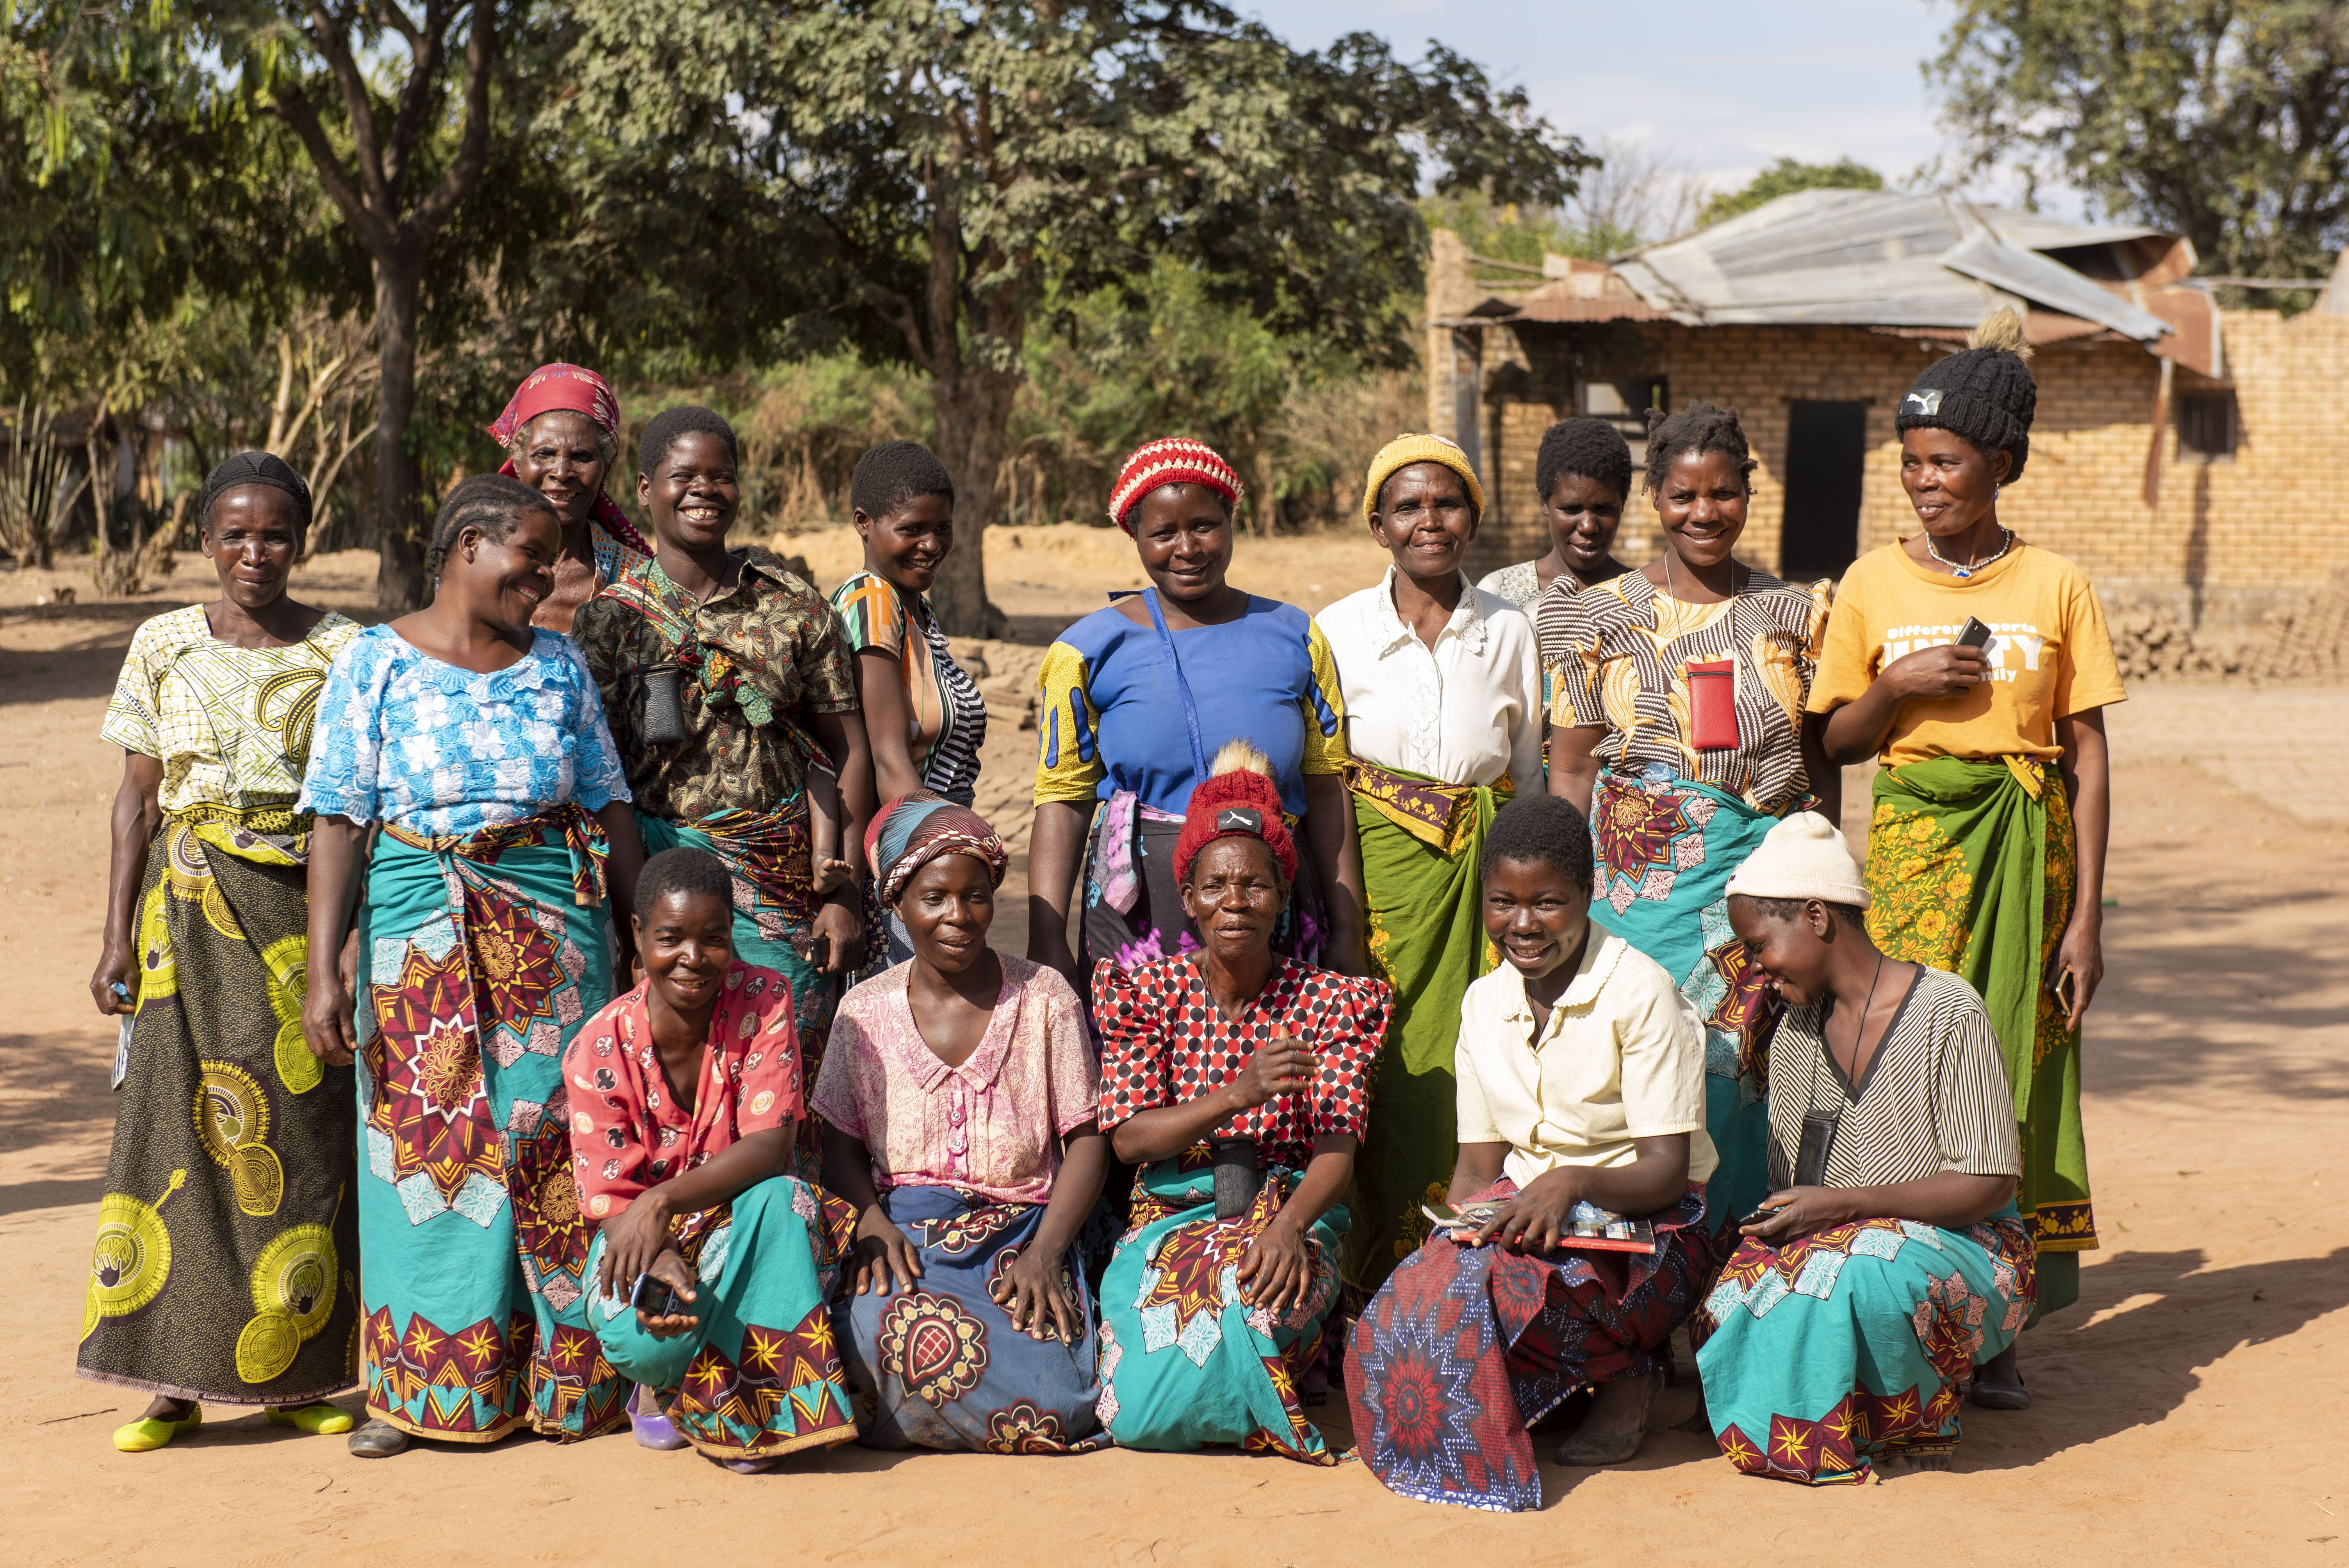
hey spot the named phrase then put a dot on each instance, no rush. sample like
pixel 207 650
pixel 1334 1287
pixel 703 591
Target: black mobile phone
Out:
pixel 1974 633
pixel 653 1297
pixel 1755 1218
pixel 2063 987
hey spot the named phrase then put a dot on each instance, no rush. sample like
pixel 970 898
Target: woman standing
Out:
pixel 1137 696
pixel 1678 729
pixel 561 430
pixel 718 668
pixel 1986 846
pixel 924 717
pixel 477 745
pixel 1443 717
pixel 228 1213
pixel 1582 473
pixel 1889 1263
pixel 1240 1079
pixel 959 1096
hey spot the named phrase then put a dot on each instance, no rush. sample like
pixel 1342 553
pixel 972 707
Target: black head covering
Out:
pixel 255 469
pixel 1984 393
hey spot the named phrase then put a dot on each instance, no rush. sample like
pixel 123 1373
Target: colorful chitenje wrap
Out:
pixel 942 1367
pixel 579 390
pixel 760 1374
pixel 1856 1343
pixel 1185 1361
pixel 1421 845
pixel 1972 868
pixel 480 956
pixel 1464 1348
pixel 228 1225
pixel 1664 849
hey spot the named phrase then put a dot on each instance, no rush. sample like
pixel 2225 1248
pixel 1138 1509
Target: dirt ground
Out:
pixel 2185 1407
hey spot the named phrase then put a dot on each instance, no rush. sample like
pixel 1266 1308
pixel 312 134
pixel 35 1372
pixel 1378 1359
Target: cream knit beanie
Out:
pixel 1802 857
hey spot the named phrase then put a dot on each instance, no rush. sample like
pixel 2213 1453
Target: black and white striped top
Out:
pixel 1934 1097
pixel 952 766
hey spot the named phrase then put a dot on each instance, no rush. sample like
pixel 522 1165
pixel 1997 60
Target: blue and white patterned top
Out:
pixel 403 737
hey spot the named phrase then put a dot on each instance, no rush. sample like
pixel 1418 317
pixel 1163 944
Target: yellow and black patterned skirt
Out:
pixel 227 1240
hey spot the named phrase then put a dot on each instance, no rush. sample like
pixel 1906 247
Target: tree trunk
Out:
pixel 401 521
pixel 974 415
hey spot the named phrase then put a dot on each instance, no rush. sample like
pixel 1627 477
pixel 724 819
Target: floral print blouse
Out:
pixel 404 738
pixel 992 1126
pixel 627 1131
pixel 1164 1041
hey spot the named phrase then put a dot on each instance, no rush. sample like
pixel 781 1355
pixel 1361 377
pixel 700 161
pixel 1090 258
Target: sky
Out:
pixel 1726 86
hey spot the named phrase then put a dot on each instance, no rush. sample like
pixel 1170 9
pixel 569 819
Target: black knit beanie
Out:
pixel 1984 393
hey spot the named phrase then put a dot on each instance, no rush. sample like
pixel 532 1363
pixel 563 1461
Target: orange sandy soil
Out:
pixel 2188 1409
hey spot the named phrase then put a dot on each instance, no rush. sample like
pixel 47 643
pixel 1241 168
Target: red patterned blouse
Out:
pixel 627 1131
pixel 1164 1041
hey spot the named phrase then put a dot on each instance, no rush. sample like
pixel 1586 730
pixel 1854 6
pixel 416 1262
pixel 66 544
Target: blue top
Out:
pixel 1112 712
pixel 403 737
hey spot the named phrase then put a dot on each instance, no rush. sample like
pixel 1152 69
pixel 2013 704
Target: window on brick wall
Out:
pixel 2206 425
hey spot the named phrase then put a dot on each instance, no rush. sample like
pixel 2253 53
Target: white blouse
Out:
pixel 1463 712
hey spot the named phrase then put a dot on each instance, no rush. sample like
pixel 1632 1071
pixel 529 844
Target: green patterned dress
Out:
pixel 223 1265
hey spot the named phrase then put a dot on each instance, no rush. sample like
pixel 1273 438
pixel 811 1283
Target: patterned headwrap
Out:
pixel 255 469
pixel 1176 460
pixel 1238 800
pixel 1405 450
pixel 580 390
pixel 910 833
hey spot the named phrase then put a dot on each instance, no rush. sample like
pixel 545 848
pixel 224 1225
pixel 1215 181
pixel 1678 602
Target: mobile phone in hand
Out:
pixel 1974 633
pixel 2065 987
pixel 1755 1218
pixel 653 1297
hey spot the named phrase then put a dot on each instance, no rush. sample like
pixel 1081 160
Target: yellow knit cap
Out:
pixel 1405 450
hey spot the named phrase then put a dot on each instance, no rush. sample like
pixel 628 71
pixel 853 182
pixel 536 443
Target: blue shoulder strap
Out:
pixel 1182 687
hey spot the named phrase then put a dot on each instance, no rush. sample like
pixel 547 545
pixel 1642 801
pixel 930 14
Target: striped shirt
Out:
pixel 946 716
pixel 1934 1097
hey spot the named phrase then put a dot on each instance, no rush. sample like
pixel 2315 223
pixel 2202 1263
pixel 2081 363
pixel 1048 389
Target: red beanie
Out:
pixel 1237 800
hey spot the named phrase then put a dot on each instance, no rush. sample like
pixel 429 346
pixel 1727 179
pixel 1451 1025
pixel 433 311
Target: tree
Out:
pixel 373 153
pixel 2223 121
pixel 1785 177
pixel 933 181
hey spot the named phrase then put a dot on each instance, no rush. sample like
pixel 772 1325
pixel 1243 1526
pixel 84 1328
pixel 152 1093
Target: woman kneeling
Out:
pixel 1890 1261
pixel 1240 1079
pixel 1581 1074
pixel 710 1266
pixel 958 1096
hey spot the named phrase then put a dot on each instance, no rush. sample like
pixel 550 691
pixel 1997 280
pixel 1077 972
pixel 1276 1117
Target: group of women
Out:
pixel 1467 989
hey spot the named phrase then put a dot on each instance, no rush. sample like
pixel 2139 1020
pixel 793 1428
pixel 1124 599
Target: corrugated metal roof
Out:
pixel 1878 258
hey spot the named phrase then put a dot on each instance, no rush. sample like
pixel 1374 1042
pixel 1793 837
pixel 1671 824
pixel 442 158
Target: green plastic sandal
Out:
pixel 149 1433
pixel 316 1419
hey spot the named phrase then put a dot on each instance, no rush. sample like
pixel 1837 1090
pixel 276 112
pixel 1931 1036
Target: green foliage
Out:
pixel 2223 121
pixel 1785 177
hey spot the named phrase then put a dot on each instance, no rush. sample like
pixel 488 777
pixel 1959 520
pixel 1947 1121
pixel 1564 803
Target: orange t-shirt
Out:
pixel 2050 656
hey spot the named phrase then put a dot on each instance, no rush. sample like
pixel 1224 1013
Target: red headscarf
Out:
pixel 580 390
pixel 1175 461
pixel 1235 800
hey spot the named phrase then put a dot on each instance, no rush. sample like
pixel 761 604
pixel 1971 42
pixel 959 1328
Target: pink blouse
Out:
pixel 991 1126
pixel 629 1134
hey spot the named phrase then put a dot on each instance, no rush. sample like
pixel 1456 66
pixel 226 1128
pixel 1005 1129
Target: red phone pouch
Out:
pixel 1712 704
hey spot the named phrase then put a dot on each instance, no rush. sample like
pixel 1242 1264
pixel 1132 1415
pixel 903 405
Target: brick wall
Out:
pixel 2227 541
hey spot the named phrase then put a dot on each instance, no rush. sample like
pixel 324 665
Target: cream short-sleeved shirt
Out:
pixel 1622 1056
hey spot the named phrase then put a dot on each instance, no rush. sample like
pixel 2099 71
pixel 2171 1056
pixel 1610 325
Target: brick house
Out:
pixel 2183 455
